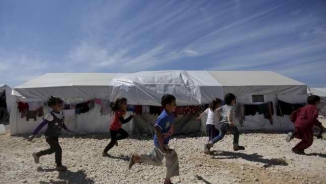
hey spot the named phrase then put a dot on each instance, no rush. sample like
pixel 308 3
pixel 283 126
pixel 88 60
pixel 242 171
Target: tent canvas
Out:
pixel 146 88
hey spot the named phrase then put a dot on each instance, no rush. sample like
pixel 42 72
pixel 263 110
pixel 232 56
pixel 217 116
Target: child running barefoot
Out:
pixel 55 123
pixel 304 120
pixel 119 108
pixel 213 118
pixel 226 124
pixel 163 130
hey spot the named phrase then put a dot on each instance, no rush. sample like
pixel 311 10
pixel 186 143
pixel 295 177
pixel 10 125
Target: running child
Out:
pixel 119 109
pixel 304 120
pixel 213 118
pixel 163 130
pixel 55 122
pixel 226 124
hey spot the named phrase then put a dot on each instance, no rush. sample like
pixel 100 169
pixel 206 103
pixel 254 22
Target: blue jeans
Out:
pixel 224 128
pixel 211 132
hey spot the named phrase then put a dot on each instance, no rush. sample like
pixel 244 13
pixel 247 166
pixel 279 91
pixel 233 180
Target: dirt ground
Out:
pixel 267 159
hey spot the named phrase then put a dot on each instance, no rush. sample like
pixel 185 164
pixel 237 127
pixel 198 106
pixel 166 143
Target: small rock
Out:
pixel 256 179
pixel 25 181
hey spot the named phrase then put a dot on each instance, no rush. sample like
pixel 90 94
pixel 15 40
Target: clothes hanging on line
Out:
pixel 22 108
pixel 192 110
pixel 284 108
pixel 131 108
pixel 268 111
pixel 98 101
pixel 105 107
pixel 31 115
pixel 138 109
pixel 84 107
pixel 145 109
pixel 156 110
pixel 240 113
pixel 250 110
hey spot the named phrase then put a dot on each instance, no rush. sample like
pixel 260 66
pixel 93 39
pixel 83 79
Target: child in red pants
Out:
pixel 304 120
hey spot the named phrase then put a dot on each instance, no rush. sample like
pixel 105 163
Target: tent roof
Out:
pixel 69 79
pixel 253 78
pixel 319 91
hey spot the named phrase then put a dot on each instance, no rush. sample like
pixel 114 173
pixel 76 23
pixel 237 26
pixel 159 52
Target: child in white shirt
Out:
pixel 213 117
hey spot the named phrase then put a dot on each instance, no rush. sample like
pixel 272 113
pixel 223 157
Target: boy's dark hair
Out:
pixel 229 98
pixel 52 101
pixel 214 103
pixel 313 99
pixel 167 99
pixel 116 105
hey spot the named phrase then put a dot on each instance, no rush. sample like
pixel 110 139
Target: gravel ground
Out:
pixel 267 159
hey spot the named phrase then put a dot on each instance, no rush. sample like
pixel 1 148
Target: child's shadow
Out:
pixel 69 177
pixel 121 157
pixel 317 154
pixel 252 158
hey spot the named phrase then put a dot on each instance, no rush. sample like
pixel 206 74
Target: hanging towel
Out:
pixel 284 108
pixel 154 110
pixel 66 106
pixel 31 115
pixel 138 109
pixel 40 112
pixel 105 109
pixel 23 108
pixel 145 109
pixel 250 110
pixel 98 101
pixel 131 108
pixel 91 104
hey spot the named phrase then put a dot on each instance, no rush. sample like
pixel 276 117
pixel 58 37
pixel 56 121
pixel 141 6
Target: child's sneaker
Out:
pixel 105 154
pixel 61 168
pixel 207 149
pixel 238 148
pixel 289 137
pixel 36 158
pixel 131 161
pixel 299 152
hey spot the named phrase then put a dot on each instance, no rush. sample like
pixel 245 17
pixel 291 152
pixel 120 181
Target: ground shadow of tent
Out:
pixel 71 178
pixel 251 157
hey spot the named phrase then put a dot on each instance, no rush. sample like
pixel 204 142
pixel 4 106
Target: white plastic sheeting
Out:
pixel 147 88
pixel 9 98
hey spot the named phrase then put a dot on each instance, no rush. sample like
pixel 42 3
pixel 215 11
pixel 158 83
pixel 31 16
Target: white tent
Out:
pixel 273 86
pixel 322 93
pixel 146 88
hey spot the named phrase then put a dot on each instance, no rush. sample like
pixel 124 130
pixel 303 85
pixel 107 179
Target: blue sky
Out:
pixel 37 37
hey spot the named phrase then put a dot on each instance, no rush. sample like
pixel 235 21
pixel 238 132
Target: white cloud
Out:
pixel 16 68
